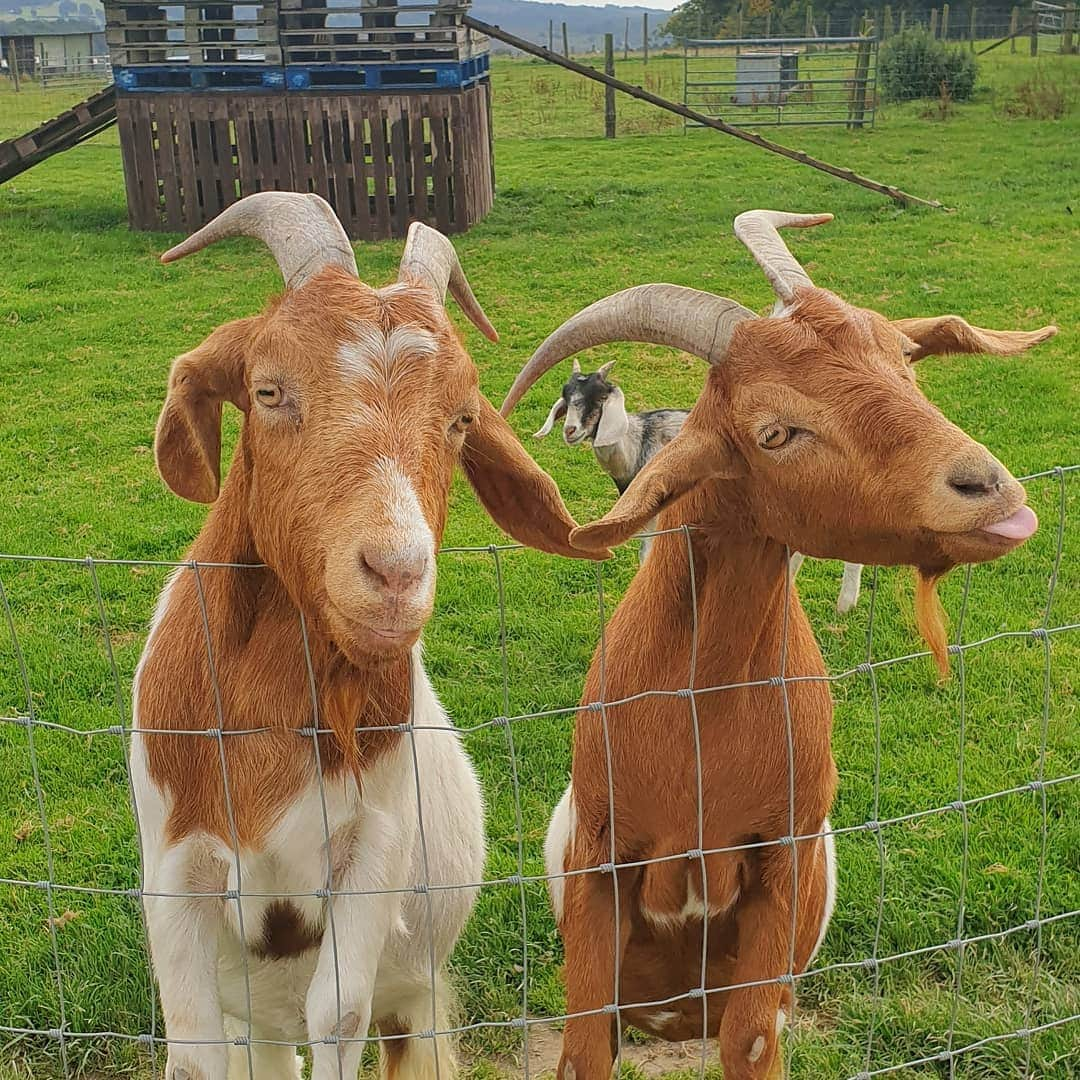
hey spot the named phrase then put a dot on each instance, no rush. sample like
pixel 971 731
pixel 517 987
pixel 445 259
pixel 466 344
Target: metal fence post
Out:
pixel 609 91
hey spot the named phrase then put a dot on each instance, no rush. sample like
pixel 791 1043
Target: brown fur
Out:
pixel 285 933
pixel 869 485
pixel 303 497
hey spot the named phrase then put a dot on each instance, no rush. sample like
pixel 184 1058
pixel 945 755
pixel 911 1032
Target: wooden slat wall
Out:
pixel 382 160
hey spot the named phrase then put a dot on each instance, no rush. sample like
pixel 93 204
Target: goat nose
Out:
pixel 977 483
pixel 392 574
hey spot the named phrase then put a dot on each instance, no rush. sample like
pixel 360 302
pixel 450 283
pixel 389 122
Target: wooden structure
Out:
pixel 62 132
pixel 382 108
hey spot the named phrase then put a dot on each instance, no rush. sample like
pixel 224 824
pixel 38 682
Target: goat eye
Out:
pixel 773 438
pixel 269 394
pixel 462 423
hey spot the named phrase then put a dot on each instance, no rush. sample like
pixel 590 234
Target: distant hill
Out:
pixel 585 25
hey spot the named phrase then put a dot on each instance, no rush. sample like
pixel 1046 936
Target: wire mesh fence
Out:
pixel 762 82
pixel 953 946
pixel 42 91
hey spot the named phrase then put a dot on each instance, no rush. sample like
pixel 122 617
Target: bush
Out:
pixel 1038 98
pixel 915 65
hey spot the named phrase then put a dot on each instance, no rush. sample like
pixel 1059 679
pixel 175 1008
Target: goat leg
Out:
pixel 590 1041
pixel 750 1029
pixel 184 934
pixel 365 909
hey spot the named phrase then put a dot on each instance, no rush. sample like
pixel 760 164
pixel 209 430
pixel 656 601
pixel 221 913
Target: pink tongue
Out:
pixel 1020 526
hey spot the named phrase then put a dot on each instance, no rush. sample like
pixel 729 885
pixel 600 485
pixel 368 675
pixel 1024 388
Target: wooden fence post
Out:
pixel 626 40
pixel 903 20
pixel 974 25
pixel 1034 33
pixel 565 42
pixel 1014 26
pixel 933 22
pixel 645 38
pixel 768 23
pixel 1068 25
pixel 828 24
pixel 609 91
pixel 809 28
pixel 13 64
pixel 886 23
pixel 551 35
pixel 857 108
pixel 944 22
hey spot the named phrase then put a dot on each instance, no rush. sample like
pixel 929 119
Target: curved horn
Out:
pixel 696 322
pixel 430 259
pixel 757 229
pixel 301 231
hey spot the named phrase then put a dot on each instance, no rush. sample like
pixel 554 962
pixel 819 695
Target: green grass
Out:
pixel 91 319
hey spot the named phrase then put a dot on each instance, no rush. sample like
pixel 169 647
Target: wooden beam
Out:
pixel 803 158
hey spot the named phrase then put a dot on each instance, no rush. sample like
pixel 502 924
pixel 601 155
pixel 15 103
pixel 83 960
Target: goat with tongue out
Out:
pixel 810 435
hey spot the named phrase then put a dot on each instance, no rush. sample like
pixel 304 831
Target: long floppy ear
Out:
pixel 520 497
pixel 557 410
pixel 694 455
pixel 951 334
pixel 614 423
pixel 187 444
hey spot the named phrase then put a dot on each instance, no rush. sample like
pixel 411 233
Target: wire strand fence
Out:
pixel 956 936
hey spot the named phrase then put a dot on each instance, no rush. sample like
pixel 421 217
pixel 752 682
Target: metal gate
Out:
pixel 760 82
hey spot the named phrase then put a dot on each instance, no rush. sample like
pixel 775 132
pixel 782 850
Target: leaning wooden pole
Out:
pixel 713 122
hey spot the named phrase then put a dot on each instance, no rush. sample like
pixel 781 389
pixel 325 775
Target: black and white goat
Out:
pixel 593 408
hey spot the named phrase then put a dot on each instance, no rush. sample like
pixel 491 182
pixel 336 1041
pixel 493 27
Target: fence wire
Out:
pixel 874 1050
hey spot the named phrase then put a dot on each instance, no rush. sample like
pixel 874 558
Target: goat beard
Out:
pixel 930 616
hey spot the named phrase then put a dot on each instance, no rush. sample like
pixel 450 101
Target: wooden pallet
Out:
pixel 382 161
pixel 60 133
pixel 277 32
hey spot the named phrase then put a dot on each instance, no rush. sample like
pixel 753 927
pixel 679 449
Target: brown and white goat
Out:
pixel 357 404
pixel 810 435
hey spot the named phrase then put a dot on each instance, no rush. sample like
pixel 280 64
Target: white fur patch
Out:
pixel 373 356
pixel 557 843
pixel 693 908
pixel 756 1050
pixel 830 885
pixel 664 1017
pixel 410 540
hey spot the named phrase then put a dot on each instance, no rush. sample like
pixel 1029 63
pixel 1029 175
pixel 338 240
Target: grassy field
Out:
pixel 91 319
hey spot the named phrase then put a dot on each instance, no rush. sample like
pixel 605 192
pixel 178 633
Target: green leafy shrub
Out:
pixel 915 65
